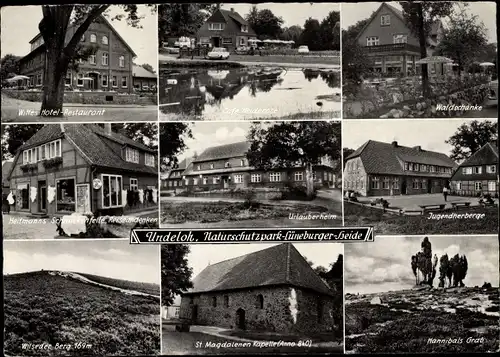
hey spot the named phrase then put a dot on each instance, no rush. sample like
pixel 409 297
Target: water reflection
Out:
pixel 248 93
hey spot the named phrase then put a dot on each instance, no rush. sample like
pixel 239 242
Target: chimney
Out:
pixel 107 129
pixel 419 148
pixel 232 9
pixel 395 144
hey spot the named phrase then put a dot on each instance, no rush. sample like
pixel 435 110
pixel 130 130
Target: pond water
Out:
pixel 249 93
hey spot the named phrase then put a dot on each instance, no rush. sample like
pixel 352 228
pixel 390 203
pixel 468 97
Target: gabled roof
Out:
pixel 434 27
pixel 139 71
pixel 228 14
pixel 486 155
pixel 88 138
pixel 279 265
pixel 224 151
pixel 386 158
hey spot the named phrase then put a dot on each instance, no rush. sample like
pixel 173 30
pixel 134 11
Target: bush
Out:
pixel 299 193
pixel 250 200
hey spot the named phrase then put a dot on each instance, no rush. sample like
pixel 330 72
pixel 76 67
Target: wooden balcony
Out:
pixel 394 48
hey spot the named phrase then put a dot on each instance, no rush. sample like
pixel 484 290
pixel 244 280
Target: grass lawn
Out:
pixel 41 308
pixel 385 223
pixel 217 211
pixel 383 330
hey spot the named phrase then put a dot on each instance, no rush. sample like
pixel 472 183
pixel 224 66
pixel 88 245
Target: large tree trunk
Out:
pixel 53 82
pixel 309 180
pixel 423 50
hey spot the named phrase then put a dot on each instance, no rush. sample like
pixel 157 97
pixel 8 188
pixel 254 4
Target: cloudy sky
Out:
pixel 486 12
pixel 385 264
pixel 20 25
pixel 109 258
pixel 202 255
pixel 292 14
pixel 430 134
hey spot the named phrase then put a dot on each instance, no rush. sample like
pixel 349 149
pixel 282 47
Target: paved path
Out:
pixel 165 59
pixel 112 112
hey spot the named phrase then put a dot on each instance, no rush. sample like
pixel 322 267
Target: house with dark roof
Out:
pixel 143 79
pixel 382 169
pixel 392 47
pixel 274 289
pixel 226 166
pixel 108 69
pixel 66 168
pixel 225 29
pixel 478 174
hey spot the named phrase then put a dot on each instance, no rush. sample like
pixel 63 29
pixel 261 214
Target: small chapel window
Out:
pixel 226 301
pixel 260 301
pixel 214 301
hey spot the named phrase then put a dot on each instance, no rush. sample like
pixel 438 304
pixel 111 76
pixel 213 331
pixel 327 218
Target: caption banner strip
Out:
pixel 217 236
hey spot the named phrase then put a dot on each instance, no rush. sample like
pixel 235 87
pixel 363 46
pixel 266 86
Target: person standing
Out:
pixel 445 193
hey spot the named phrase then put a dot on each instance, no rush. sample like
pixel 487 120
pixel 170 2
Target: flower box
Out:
pixel 29 167
pixel 54 162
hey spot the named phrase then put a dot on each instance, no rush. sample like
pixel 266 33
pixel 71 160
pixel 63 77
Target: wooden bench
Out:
pixel 457 205
pixel 432 208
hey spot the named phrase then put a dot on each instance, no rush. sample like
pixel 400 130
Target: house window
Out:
pixel 244 28
pixel 242 41
pixel 79 80
pixel 215 180
pixel 214 301
pixel 375 182
pixel 400 38
pixel 149 160
pixel 205 180
pixel 104 40
pixel 477 169
pixel 478 186
pixel 227 164
pixel 104 80
pixel 226 301
pixel 415 183
pixel 459 185
pixel 416 167
pixel 238 178
pixel 275 176
pixel 385 183
pixel 114 81
pixel 38 79
pixel 372 41
pixel 256 178
pixel 242 162
pixel 227 41
pixel 65 195
pixel 467 170
pixel 67 79
pixel 112 187
pixel 211 166
pixel 121 61
pixel 215 26
pixel 407 166
pixel 259 302
pixel 195 181
pixel 423 168
pixel 132 155
pixel 432 168
pixel 491 169
pixel 134 184
pixel 395 184
pixel 124 82
pixel 299 176
pixel 198 167
pixel 491 186
pixel 385 20
pixel 423 184
pixel 93 38
pixel 92 59
pixel 105 59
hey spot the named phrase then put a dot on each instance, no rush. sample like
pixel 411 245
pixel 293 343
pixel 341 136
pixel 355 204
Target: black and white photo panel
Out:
pixel 79 180
pixel 421 176
pixel 252 298
pixel 422 294
pixel 265 61
pixel 81 298
pixel 419 60
pixel 250 174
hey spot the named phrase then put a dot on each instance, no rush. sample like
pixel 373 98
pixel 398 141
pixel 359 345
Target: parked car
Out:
pixel 492 99
pixel 183 42
pixel 218 53
pixel 303 49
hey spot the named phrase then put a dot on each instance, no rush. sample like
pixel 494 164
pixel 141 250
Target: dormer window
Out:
pixel 216 26
pixel 132 155
pixel 385 20
pixel 42 152
pixel 198 167
pixel 211 166
pixel 244 28
pixel 93 38
pixel 104 40
pixel 242 162
pixel 372 41
pixel 227 164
